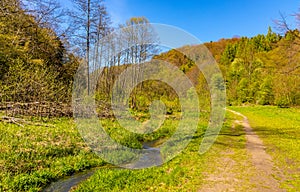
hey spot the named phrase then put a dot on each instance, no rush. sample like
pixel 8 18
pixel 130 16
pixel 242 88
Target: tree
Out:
pixel 47 13
pixel 32 57
pixel 138 32
pixel 141 47
pixel 284 27
pixel 265 94
pixel 90 24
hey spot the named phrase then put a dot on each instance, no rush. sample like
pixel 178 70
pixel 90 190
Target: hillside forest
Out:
pixel 42 46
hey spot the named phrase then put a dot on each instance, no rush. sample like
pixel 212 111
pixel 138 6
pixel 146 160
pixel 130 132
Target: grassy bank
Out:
pixel 33 156
pixel 279 128
pixel 228 163
pixel 183 171
pixel 36 154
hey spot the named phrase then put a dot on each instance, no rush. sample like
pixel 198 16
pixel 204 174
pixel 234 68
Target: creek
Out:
pixel 151 157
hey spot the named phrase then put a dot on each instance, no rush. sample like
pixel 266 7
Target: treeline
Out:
pixel 263 69
pixel 260 70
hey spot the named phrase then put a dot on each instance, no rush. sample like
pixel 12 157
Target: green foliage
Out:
pixel 243 91
pixel 229 54
pixel 27 82
pixel 33 182
pixel 262 70
pixel 218 82
pixel 255 69
pixel 265 94
pixel 282 102
pixel 33 59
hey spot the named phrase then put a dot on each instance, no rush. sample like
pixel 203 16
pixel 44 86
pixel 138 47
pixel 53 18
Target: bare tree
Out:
pixel 138 32
pixel 48 14
pixel 293 42
pixel 284 27
pixel 141 47
pixel 90 23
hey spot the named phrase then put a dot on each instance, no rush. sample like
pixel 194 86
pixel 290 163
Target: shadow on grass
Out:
pixel 284 133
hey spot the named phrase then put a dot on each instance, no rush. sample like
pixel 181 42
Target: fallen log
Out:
pixel 20 122
pixel 12 120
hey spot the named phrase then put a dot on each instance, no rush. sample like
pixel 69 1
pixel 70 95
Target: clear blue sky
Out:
pixel 207 19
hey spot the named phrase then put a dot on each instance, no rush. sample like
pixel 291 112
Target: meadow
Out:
pixel 34 156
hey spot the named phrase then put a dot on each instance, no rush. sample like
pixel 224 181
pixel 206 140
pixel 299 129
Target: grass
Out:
pixel 279 128
pixel 133 140
pixel 174 175
pixel 33 156
pixel 186 172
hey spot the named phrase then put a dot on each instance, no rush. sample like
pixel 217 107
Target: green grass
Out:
pixel 33 156
pixel 182 172
pixel 133 140
pixel 279 128
pixel 186 172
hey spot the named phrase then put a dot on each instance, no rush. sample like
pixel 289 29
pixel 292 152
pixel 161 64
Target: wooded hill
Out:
pixel 261 70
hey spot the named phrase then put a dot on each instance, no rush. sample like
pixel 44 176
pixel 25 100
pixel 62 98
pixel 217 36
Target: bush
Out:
pixel 282 102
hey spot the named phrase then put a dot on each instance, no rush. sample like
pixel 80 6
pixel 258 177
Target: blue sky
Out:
pixel 208 20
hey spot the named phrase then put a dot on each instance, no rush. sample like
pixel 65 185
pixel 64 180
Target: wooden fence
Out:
pixel 37 109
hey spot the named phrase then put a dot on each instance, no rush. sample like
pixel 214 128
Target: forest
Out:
pixel 40 56
pixel 42 46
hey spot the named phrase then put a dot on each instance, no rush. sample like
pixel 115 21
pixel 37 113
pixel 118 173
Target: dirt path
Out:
pixel 243 169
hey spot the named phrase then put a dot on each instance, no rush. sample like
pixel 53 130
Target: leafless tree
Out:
pixel 48 14
pixel 90 23
pixel 284 27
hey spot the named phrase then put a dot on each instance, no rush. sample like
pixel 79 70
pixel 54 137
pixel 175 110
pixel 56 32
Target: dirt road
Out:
pixel 245 168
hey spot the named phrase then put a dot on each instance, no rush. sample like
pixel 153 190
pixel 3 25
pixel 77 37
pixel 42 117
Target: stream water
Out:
pixel 67 183
pixel 151 157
